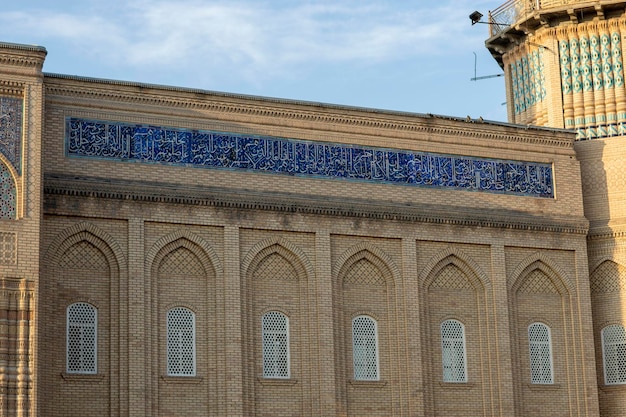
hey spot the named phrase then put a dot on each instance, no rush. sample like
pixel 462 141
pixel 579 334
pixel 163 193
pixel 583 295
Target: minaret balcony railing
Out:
pixel 513 11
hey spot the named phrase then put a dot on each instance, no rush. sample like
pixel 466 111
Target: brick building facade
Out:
pixel 176 252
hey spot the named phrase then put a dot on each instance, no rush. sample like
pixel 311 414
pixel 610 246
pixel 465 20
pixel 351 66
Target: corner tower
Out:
pixel 564 67
pixel 21 119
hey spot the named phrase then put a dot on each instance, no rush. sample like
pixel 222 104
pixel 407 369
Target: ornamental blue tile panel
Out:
pixel 220 150
pixel 11 130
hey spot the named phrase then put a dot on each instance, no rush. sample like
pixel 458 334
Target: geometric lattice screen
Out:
pixel 540 354
pixel 275 267
pixel 84 256
pixel 275 332
pixel 453 351
pixel 82 339
pixel 181 262
pixel 614 353
pixel 365 349
pixel 537 282
pixel 363 272
pixel 181 342
pixel 451 277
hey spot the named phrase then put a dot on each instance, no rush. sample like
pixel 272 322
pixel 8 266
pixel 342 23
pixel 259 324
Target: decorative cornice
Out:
pixel 23 47
pixel 90 187
pixel 11 88
pixel 27 56
pixel 107 91
pixel 605 233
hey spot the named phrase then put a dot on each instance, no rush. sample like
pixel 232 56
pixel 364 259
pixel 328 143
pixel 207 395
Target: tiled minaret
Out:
pixel 564 67
pixel 21 115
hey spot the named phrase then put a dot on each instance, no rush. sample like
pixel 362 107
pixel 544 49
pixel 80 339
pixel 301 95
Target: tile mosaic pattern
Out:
pixel 218 150
pixel 590 64
pixel 8 194
pixel 528 80
pixel 11 130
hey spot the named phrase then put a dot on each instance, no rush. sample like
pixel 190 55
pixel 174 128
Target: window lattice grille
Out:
pixel 540 354
pixel 451 277
pixel 365 348
pixel 608 277
pixel 537 282
pixel 81 339
pixel 364 272
pixel 453 351
pixel 181 342
pixel 275 267
pixel 181 262
pixel 275 332
pixel 614 352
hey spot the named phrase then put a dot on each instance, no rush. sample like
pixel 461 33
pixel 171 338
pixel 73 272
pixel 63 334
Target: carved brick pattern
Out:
pixel 8 248
pixel 181 262
pixel 451 277
pixel 364 272
pixel 608 277
pixel 16 386
pixel 537 282
pixel 58 90
pixel 275 267
pixel 84 255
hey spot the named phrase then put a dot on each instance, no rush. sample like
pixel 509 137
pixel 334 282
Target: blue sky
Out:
pixel 406 55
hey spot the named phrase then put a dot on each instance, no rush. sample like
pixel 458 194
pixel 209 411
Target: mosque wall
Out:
pixel 383 293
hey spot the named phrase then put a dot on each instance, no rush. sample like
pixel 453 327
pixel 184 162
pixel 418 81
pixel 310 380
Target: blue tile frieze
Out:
pixel 11 130
pixel 218 150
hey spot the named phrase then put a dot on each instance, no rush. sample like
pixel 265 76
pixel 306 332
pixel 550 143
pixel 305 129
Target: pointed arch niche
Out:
pixel 539 295
pixel 453 289
pixel 276 274
pixel 182 269
pixel 82 265
pixel 365 287
pixel 608 292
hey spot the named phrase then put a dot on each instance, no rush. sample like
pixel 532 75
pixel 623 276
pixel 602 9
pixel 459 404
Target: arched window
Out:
pixel 614 354
pixel 181 342
pixel 365 348
pixel 82 339
pixel 275 332
pixel 540 347
pixel 453 351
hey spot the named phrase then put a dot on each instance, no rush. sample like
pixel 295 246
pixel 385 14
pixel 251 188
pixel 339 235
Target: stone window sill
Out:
pixel 544 387
pixel 182 379
pixel 456 385
pixel 277 381
pixel 367 384
pixel 616 387
pixel 91 378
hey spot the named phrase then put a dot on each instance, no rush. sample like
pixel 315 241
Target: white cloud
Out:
pixel 273 38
